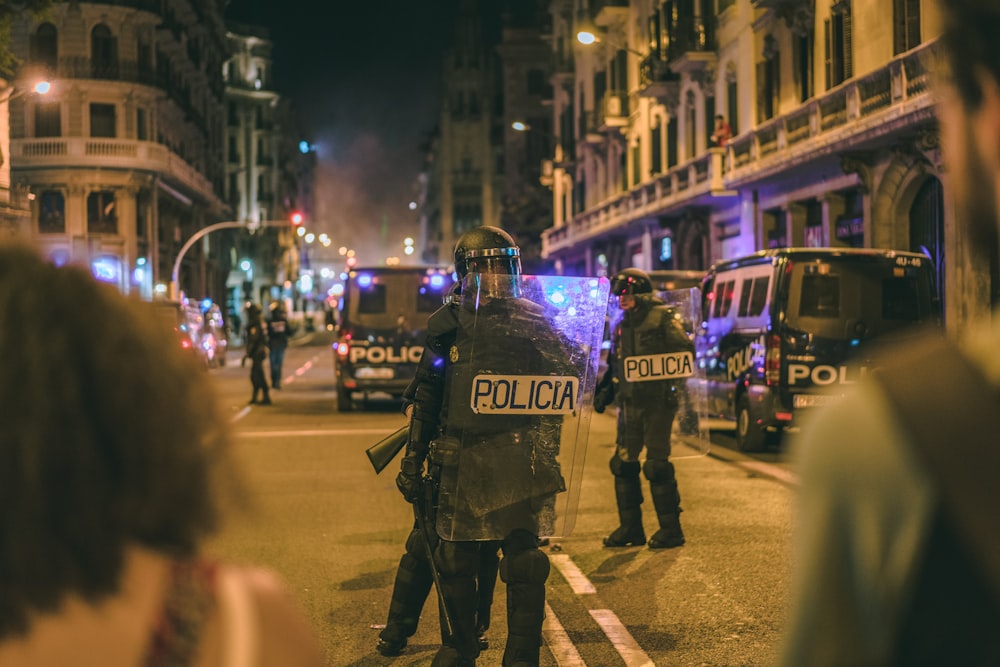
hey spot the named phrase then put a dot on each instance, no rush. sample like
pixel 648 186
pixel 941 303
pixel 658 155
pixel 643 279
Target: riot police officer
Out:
pixel 496 473
pixel 648 406
pixel 256 350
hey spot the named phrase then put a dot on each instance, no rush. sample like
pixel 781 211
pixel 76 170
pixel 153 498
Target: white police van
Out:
pixel 382 326
pixel 791 328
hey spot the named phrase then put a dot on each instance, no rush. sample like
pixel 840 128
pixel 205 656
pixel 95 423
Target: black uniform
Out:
pixel 277 338
pixel 256 350
pixel 414 578
pixel 645 417
pixel 443 430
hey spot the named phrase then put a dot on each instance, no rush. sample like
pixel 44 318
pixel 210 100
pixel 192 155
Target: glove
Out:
pixel 410 481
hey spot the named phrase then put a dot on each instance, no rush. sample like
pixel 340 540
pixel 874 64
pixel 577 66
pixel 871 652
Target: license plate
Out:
pixel 369 373
pixel 813 400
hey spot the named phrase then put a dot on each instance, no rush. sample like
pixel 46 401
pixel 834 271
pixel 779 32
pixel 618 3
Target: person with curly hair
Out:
pixel 113 459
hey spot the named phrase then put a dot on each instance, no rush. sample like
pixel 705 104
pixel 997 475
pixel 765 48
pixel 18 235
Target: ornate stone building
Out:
pixel 124 157
pixel 834 139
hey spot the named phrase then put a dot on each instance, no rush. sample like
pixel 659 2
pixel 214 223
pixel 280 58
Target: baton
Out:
pixel 425 531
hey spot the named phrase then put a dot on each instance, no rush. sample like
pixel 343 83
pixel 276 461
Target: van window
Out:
pixel 820 296
pixel 723 298
pixel 371 300
pixel 758 300
pixel 428 300
pixel 846 297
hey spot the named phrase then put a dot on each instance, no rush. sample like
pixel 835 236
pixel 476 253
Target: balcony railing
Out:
pixel 108 153
pixel 868 103
pixel 682 184
pixel 656 79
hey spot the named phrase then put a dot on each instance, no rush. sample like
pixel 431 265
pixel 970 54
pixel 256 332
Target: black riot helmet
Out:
pixel 487 250
pixel 631 281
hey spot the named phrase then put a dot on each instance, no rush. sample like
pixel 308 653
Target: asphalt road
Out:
pixel 335 531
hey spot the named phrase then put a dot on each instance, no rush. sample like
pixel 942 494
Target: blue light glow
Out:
pixel 437 281
pixel 364 280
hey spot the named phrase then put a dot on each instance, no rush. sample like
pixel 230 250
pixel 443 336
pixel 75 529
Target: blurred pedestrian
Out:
pixel 647 407
pixel 114 469
pixel 898 558
pixel 277 341
pixel 256 352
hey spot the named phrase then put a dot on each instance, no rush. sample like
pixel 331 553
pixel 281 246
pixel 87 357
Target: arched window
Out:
pixel 103 53
pixel 44 47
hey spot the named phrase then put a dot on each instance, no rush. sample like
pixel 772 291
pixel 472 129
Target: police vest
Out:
pixel 652 354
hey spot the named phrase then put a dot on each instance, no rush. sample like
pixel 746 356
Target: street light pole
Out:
pixel 201 233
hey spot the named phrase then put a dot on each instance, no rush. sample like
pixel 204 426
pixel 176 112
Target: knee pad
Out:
pixel 621 468
pixel 525 567
pixel 659 472
pixel 458 558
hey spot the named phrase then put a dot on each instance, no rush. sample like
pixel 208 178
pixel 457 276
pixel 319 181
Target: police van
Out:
pixel 382 325
pixel 790 329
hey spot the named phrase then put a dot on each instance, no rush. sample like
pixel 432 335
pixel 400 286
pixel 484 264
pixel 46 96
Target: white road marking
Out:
pixel 312 432
pixel 558 641
pixel 576 579
pixel 624 643
pixel 782 475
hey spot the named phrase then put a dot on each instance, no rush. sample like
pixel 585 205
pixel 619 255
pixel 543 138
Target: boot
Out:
pixel 667 502
pixel 628 495
pixel 448 656
pixel 267 398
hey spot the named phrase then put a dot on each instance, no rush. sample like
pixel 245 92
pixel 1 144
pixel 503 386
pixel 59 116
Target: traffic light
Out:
pixel 296 218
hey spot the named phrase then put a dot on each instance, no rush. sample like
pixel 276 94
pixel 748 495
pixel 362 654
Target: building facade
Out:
pixel 123 159
pixel 834 141
pixel 261 175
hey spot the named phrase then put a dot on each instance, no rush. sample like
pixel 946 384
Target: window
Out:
pixel 103 53
pixel 690 132
pixel 906 25
pixel 536 82
pixel 768 81
pixel 753 298
pixel 51 212
pixel 838 50
pixel 44 47
pixel 820 296
pixel 102 120
pixel 636 163
pixel 102 217
pixel 141 128
pixel 723 298
pixel 733 103
pixel 48 121
pixel 803 65
pixel 656 150
pixel 428 300
pixel 672 142
pixel 371 300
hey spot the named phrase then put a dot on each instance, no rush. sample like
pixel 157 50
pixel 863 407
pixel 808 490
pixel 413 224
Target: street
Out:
pixel 335 531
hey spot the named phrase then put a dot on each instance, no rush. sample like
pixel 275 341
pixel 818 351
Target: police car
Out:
pixel 382 325
pixel 790 329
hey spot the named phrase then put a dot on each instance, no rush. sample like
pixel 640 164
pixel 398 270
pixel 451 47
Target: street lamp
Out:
pixel 41 87
pixel 588 36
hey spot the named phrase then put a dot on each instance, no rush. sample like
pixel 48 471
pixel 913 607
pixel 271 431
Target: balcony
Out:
pixel 692 50
pixel 125 154
pixel 695 183
pixel 658 81
pixel 614 107
pixel 891 99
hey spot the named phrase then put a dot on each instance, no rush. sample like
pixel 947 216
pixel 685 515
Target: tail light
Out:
pixel 343 348
pixel 772 360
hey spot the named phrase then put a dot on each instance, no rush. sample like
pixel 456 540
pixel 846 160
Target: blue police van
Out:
pixel 382 324
pixel 789 329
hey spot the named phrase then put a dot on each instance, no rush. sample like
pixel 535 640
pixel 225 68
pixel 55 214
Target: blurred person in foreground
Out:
pixel 112 459
pixel 894 565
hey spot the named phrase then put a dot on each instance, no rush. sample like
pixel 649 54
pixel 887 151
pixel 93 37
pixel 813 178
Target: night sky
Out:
pixel 364 78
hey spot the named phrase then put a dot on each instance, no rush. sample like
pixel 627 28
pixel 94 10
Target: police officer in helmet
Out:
pixel 646 412
pixel 446 434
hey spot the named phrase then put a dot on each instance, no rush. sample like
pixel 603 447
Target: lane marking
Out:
pixel 626 645
pixel 780 474
pixel 558 641
pixel 575 577
pixel 241 414
pixel 312 432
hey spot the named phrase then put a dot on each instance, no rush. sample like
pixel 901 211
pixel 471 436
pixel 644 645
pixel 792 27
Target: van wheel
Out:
pixel 749 436
pixel 344 401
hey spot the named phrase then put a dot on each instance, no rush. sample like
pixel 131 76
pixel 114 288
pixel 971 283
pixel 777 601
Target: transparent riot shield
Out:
pixel 655 364
pixel 518 402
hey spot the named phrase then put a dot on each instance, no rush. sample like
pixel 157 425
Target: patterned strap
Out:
pixel 189 601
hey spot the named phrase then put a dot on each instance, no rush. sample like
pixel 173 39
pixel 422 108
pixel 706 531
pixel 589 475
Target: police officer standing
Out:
pixel 256 351
pixel 496 473
pixel 277 339
pixel 648 404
